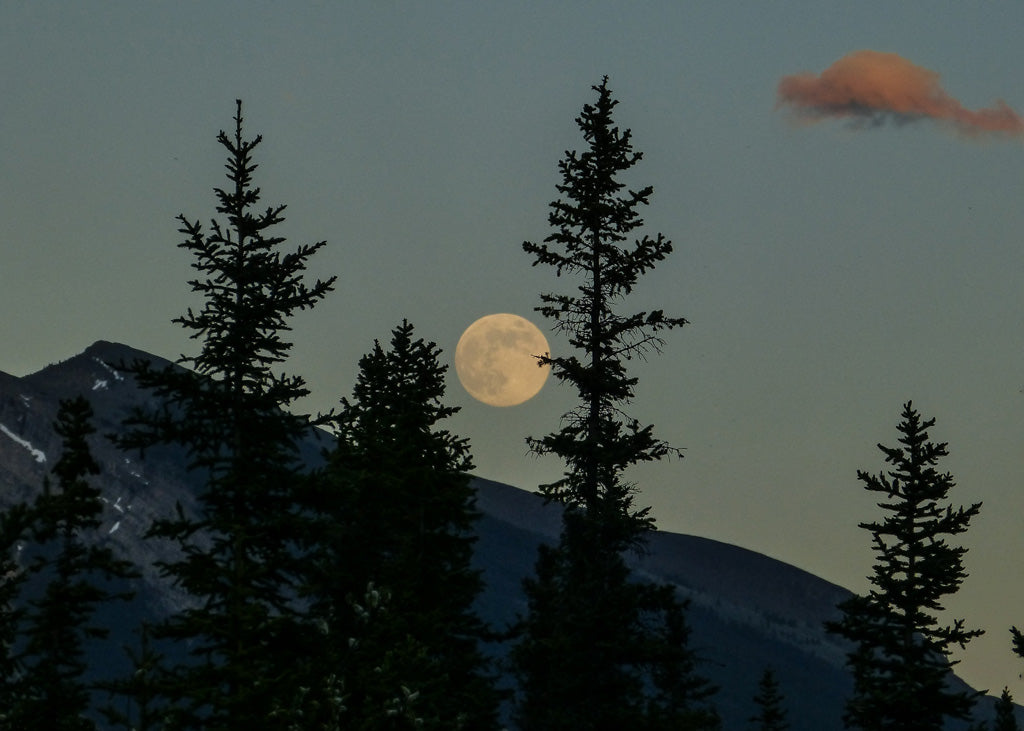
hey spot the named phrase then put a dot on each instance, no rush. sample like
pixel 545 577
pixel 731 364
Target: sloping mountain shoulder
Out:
pixel 748 611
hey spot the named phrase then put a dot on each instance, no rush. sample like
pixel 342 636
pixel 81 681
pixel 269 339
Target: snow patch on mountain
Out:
pixel 38 454
pixel 809 638
pixel 113 372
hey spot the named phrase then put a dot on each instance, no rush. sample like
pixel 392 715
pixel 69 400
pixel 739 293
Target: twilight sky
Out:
pixel 834 260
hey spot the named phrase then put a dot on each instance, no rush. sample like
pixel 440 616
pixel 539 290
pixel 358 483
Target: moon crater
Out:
pixel 496 360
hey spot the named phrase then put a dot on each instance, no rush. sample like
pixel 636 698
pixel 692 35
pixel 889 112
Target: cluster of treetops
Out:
pixel 315 603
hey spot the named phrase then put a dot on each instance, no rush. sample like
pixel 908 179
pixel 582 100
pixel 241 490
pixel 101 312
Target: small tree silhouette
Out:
pixel 771 714
pixel 900 661
pixel 1005 719
pixel 60 622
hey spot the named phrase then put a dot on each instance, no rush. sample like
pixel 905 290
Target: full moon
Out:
pixel 495 360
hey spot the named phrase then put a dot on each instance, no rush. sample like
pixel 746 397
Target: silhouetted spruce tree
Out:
pixel 771 713
pixel 683 698
pixel 400 511
pixel 227 407
pixel 1005 719
pixel 77 578
pixel 901 656
pixel 586 645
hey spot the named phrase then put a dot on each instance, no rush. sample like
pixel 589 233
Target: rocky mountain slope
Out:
pixel 748 611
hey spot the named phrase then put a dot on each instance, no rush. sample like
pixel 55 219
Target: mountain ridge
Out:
pixel 748 611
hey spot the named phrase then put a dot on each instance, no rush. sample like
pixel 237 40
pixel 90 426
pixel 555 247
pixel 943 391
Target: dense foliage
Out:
pixel 399 513
pixel 1005 719
pixel 74 579
pixel 240 558
pixel 900 659
pixel 14 522
pixel 591 653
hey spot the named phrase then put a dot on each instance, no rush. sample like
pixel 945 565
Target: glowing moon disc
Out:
pixel 495 360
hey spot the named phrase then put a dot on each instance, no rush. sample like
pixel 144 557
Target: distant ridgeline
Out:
pixel 748 612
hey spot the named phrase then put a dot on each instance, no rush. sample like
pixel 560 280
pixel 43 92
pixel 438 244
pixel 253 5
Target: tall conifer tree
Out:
pixel 900 659
pixel 228 409
pixel 592 223
pixel 586 648
pixel 77 578
pixel 401 509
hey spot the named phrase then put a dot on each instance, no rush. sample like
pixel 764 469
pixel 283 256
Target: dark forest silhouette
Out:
pixel 314 604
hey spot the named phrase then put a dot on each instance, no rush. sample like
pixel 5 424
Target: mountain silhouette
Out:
pixel 748 611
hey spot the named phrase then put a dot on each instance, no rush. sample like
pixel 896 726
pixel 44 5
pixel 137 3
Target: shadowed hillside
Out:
pixel 748 611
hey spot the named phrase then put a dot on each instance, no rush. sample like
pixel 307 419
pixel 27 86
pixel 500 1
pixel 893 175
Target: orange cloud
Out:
pixel 879 87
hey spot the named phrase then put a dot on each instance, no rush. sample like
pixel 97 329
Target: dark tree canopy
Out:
pixel 581 636
pixel 901 658
pixel 392 451
pixel 771 711
pixel 683 699
pixel 77 576
pixel 1005 719
pixel 227 407
pixel 592 223
pixel 14 523
pixel 400 511
pixel 598 649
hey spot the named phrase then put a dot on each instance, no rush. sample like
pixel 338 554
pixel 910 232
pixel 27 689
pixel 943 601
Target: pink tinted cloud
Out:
pixel 880 87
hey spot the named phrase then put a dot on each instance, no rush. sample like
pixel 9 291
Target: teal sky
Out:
pixel 830 273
